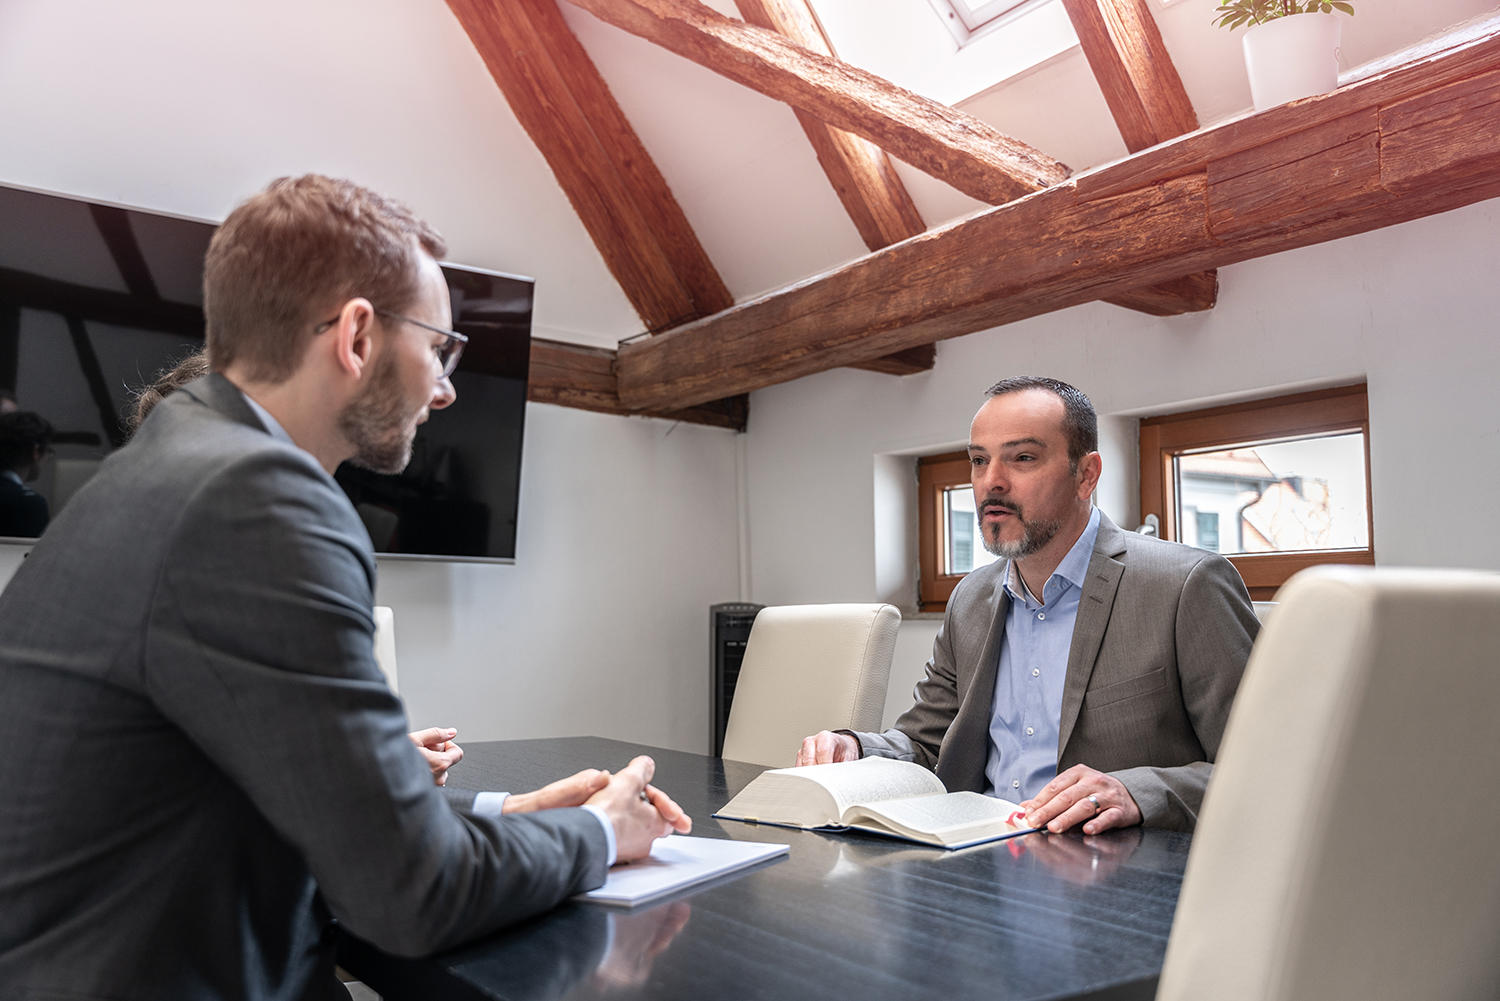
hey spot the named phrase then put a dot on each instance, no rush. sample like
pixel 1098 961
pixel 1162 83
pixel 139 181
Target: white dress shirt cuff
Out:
pixel 489 804
pixel 609 830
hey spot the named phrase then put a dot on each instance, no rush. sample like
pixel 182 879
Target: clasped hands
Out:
pixel 639 811
pixel 1063 803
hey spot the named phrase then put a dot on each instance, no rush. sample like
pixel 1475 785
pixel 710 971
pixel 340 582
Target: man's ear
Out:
pixel 1089 468
pixel 353 339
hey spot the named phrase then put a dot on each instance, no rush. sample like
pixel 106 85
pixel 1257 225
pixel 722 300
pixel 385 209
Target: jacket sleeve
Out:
pixel 1215 628
pixel 259 646
pixel 920 731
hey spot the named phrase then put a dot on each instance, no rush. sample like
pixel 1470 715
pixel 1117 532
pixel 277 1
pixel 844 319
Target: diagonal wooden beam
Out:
pixel 572 375
pixel 1145 95
pixel 1419 140
pixel 613 184
pixel 114 226
pixel 1125 50
pixel 862 175
pixel 954 147
pixel 859 171
pixel 622 199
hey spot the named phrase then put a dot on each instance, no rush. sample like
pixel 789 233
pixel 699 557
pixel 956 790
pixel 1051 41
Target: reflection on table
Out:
pixel 846 915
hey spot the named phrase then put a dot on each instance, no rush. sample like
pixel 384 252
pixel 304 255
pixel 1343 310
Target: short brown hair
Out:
pixel 1080 423
pixel 299 249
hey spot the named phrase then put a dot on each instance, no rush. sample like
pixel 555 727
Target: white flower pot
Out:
pixel 1292 57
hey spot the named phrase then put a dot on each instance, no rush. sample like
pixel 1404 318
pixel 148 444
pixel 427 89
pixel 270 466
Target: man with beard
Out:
pixel 204 763
pixel 1088 673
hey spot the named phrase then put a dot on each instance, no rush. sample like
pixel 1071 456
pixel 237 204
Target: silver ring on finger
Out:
pixel 1094 799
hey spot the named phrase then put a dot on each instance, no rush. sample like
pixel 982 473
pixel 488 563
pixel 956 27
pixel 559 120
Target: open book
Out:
pixel 898 799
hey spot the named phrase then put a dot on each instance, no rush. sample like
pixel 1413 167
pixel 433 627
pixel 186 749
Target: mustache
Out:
pixel 995 503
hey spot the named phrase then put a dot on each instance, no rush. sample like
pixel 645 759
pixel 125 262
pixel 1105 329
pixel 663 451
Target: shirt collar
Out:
pixel 1073 568
pixel 271 423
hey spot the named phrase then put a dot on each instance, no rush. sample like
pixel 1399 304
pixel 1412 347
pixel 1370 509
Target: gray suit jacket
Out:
pixel 1161 640
pixel 202 759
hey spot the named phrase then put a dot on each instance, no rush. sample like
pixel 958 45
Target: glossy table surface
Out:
pixel 844 916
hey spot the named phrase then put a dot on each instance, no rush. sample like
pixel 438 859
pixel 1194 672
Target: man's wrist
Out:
pixel 859 750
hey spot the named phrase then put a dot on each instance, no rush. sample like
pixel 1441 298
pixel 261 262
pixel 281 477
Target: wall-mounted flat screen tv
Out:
pixel 96 300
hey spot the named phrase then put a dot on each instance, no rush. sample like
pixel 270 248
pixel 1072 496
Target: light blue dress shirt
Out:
pixel 1026 717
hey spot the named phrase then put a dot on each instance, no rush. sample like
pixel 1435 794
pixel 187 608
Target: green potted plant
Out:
pixel 1291 47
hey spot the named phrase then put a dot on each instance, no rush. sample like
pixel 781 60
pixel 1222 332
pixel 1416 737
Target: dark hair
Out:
pixel 168 381
pixel 299 249
pixel 21 432
pixel 1080 423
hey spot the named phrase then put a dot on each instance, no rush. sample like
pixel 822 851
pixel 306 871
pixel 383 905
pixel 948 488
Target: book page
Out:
pixel 818 795
pixel 956 818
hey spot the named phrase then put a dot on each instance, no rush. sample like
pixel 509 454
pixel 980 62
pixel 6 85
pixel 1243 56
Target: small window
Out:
pixel 949 544
pixel 1275 485
pixel 966 18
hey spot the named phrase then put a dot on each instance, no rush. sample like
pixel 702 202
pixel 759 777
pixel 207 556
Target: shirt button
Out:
pixel 1015 783
pixel 1030 731
pixel 1041 616
pixel 1036 672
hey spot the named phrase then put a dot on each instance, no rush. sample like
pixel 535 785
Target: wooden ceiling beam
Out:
pixel 619 194
pixel 1416 141
pixel 1145 95
pixel 950 145
pixel 1130 61
pixel 860 171
pixel 571 375
pixel 862 175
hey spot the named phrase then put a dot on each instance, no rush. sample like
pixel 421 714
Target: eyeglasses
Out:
pixel 447 353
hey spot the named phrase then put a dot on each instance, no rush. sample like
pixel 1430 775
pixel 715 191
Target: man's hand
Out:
pixel 571 791
pixel 437 747
pixel 826 747
pixel 1066 802
pixel 640 812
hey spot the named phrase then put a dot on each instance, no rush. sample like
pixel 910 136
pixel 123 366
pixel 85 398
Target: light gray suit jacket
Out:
pixel 1162 636
pixel 202 760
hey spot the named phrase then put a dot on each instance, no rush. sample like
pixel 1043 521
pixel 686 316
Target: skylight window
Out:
pixel 967 18
pixel 904 42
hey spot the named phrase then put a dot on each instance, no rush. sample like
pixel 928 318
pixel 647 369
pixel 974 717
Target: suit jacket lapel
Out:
pixel 1094 605
pixel 966 748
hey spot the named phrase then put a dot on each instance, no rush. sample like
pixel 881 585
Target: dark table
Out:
pixel 845 916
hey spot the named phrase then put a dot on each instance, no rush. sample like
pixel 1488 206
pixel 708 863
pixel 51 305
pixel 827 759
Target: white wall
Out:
pixel 628 532
pixel 628 527
pixel 1414 309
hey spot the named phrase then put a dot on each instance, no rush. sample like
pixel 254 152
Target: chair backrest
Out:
pixel 1345 849
pixel 385 643
pixel 809 668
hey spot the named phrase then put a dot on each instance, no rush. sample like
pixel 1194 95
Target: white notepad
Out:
pixel 675 862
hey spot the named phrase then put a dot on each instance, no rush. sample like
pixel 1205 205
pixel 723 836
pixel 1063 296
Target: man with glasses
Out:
pixel 204 764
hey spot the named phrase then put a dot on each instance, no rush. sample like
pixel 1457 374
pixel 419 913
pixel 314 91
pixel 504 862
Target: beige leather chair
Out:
pixel 1345 851
pixel 809 668
pixel 385 643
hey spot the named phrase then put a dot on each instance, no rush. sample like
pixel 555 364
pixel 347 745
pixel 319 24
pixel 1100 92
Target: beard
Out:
pixel 376 426
pixel 1034 534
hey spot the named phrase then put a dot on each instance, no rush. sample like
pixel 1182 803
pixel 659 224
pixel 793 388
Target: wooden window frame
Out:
pixel 1301 415
pixel 935 474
